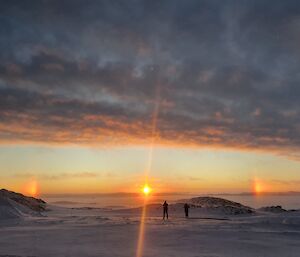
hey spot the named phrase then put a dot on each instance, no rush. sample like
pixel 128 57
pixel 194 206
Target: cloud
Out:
pixel 93 73
pixel 59 176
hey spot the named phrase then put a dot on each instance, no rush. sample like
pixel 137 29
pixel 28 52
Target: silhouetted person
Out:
pixel 165 207
pixel 186 210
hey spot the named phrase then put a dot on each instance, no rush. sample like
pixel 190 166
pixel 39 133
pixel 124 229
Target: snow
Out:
pixel 80 232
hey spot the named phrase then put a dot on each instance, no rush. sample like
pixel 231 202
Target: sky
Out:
pixel 187 96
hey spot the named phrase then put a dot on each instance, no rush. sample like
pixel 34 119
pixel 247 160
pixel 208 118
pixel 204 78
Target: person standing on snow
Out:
pixel 186 210
pixel 165 207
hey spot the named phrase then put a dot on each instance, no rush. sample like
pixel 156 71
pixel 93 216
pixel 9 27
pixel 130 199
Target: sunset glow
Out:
pixel 258 188
pixel 31 188
pixel 146 189
pixel 150 128
pixel 104 113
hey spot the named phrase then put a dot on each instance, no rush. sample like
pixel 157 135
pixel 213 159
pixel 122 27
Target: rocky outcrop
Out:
pixel 31 202
pixel 219 205
pixel 273 209
pixel 15 205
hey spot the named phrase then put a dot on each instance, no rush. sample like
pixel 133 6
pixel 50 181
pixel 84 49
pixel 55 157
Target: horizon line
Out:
pixel 124 194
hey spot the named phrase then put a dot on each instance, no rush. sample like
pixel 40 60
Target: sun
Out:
pixel 146 189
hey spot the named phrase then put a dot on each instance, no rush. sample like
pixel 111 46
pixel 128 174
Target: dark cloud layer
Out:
pixel 220 73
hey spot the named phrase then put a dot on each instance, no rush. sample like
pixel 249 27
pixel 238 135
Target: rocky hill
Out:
pixel 14 205
pixel 218 204
pixel 272 209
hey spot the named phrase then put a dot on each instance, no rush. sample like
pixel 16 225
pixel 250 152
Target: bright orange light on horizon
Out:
pixel 31 188
pixel 259 187
pixel 146 189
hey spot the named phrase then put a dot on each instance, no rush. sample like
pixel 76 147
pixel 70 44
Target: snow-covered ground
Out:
pixel 92 232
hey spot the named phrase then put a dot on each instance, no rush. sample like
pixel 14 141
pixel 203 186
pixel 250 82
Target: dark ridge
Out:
pixel 30 202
